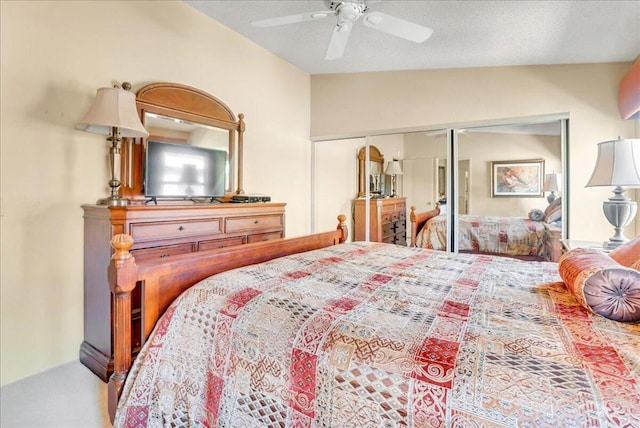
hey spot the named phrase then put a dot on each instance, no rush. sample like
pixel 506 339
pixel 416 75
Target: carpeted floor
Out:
pixel 67 396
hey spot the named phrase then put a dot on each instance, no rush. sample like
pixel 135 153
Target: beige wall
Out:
pixel 54 56
pixel 425 98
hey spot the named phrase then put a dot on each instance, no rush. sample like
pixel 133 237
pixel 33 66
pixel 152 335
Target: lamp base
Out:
pixel 611 245
pixel 551 197
pixel 114 202
pixel 619 211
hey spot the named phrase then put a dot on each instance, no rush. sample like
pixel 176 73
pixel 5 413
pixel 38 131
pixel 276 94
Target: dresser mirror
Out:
pixel 376 169
pixel 181 114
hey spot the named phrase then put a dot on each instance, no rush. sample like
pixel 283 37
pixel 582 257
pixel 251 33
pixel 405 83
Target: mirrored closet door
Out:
pixel 499 170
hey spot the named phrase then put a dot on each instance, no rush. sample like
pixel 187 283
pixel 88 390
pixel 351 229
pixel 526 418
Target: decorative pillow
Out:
pixel 601 284
pixel 536 215
pixel 553 213
pixel 627 254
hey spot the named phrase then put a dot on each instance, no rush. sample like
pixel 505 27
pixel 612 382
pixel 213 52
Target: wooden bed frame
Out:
pixel 162 281
pixel 418 220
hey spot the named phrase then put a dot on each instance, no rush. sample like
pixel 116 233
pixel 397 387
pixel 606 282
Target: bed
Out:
pixel 519 237
pixel 368 335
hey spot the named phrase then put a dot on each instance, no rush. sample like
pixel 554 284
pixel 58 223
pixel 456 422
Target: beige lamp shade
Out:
pixel 552 182
pixel 113 108
pixel 393 168
pixel 618 164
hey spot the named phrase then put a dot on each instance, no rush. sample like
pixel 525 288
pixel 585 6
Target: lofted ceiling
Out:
pixel 465 33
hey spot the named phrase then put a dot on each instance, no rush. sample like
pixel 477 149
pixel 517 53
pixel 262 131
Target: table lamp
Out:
pixel 552 183
pixel 393 169
pixel 618 165
pixel 114 113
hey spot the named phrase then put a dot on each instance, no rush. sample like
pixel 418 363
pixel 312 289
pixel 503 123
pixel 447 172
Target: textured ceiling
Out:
pixel 466 33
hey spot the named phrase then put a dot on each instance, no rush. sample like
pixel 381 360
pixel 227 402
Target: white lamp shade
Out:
pixel 393 168
pixel 113 107
pixel 618 164
pixel 552 182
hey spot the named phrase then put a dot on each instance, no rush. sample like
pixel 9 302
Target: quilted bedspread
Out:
pixel 378 335
pixel 513 236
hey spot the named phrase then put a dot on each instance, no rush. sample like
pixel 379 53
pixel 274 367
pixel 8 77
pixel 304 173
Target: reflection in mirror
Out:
pixel 452 189
pixel 425 183
pixel 376 176
pixel 172 130
pixel 501 204
pixel 334 185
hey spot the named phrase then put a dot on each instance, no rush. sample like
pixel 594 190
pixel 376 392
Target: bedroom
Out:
pixel 55 55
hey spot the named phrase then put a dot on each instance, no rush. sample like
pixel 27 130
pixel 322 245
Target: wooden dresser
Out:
pixel 387 222
pixel 159 232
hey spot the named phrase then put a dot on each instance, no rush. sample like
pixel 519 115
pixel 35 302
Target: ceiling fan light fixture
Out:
pixel 349 11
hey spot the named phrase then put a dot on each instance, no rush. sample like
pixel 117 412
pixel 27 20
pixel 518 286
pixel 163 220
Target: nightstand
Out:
pixel 570 244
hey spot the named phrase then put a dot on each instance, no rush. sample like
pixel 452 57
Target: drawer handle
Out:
pixel 255 222
pixel 164 256
pixel 181 228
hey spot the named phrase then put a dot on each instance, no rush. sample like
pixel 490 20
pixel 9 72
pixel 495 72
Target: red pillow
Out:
pixel 601 284
pixel 627 254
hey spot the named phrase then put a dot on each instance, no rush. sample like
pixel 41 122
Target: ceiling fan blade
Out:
pixel 292 19
pixel 338 40
pixel 397 27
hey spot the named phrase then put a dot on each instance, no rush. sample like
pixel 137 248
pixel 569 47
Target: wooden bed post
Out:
pixel 418 220
pixel 342 227
pixel 123 274
pixel 414 226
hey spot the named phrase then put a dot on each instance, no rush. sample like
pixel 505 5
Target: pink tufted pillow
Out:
pixel 627 254
pixel 601 284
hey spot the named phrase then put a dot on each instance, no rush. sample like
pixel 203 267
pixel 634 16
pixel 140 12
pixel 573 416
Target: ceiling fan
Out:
pixel 349 12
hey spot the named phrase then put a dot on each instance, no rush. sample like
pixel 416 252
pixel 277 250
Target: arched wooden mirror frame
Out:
pixel 375 156
pixel 189 104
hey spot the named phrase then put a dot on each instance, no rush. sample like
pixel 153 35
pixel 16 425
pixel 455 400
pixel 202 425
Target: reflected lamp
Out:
pixel 393 169
pixel 114 113
pixel 618 165
pixel 552 183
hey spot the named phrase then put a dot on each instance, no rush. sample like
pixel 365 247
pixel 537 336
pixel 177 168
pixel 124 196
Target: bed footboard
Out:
pixel 418 220
pixel 162 282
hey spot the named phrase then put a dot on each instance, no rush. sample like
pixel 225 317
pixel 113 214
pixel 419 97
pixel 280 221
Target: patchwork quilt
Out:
pixel 378 335
pixel 513 236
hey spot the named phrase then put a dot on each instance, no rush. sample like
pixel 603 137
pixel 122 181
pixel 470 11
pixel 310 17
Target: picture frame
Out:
pixel 517 178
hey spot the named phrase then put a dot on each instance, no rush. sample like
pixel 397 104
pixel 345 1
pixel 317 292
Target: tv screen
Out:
pixel 184 171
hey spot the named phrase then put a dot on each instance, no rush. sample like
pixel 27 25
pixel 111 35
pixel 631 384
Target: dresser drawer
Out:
pixel 388 229
pixel 393 216
pixel 258 237
pixel 249 224
pixel 400 239
pixel 174 229
pixel 399 227
pixel 220 243
pixel 162 252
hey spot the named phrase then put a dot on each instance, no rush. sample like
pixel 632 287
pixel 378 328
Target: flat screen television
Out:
pixel 184 171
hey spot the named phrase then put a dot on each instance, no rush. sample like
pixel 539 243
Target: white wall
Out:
pixel 428 98
pixel 54 55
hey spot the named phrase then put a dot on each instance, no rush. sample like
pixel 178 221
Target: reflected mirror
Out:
pixel 375 182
